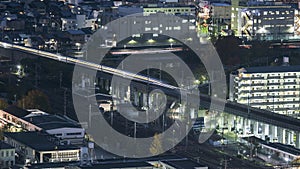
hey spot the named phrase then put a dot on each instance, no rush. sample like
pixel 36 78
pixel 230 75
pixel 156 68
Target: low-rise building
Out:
pixel 68 24
pixel 12 117
pixel 67 130
pixel 162 161
pixel 76 36
pixel 182 163
pixel 41 147
pixel 7 155
pixel 275 153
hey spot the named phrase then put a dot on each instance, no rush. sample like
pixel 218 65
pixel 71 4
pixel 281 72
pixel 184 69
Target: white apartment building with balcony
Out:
pixel 274 88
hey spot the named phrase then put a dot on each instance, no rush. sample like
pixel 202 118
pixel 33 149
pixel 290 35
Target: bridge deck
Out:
pixel 260 115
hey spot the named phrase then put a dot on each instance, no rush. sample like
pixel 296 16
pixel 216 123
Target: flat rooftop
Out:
pixel 272 69
pixel 16 111
pixel 4 145
pixel 173 160
pixel 38 141
pixel 286 148
pixel 121 165
pixel 49 122
pixel 183 163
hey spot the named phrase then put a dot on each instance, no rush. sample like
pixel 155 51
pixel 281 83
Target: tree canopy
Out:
pixel 34 99
pixel 3 104
pixel 156 147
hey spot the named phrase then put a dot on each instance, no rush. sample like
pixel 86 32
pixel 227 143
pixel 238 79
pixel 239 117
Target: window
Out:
pixel 71 134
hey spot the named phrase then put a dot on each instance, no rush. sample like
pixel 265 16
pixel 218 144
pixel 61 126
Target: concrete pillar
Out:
pixel 193 115
pixel 222 121
pixel 145 99
pixel 266 130
pixel 297 140
pixel 241 124
pixel 41 157
pixel 281 135
pixel 244 126
pixel 290 137
pixel 283 140
pixel 82 81
pixel 121 93
pixel 152 100
pixel 136 98
pixel 127 92
pixel 230 122
pixel 140 95
pixel 107 85
pixel 117 90
pixel 100 83
pixel 273 135
pixel 255 128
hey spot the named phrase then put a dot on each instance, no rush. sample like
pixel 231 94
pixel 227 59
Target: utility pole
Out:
pixel 111 118
pixel 134 134
pixel 248 107
pixel 65 101
pixel 60 79
pixel 90 116
pixel 148 95
pixel 36 75
pixel 225 164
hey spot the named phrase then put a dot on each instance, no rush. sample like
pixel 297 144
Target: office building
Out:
pixel 266 23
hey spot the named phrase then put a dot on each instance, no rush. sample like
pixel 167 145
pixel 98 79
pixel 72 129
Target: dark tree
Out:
pixel 35 99
pixel 228 49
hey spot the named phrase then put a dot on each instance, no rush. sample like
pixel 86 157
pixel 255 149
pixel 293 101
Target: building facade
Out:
pixel 29 148
pixel 266 22
pixel 67 130
pixel 173 10
pixel 272 88
pixel 7 155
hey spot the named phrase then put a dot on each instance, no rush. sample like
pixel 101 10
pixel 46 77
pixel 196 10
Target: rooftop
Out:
pixel 286 148
pixel 4 145
pixel 126 163
pixel 49 122
pixel 121 165
pixel 270 69
pixel 76 32
pixel 16 111
pixel 183 163
pixel 220 4
pixel 38 141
